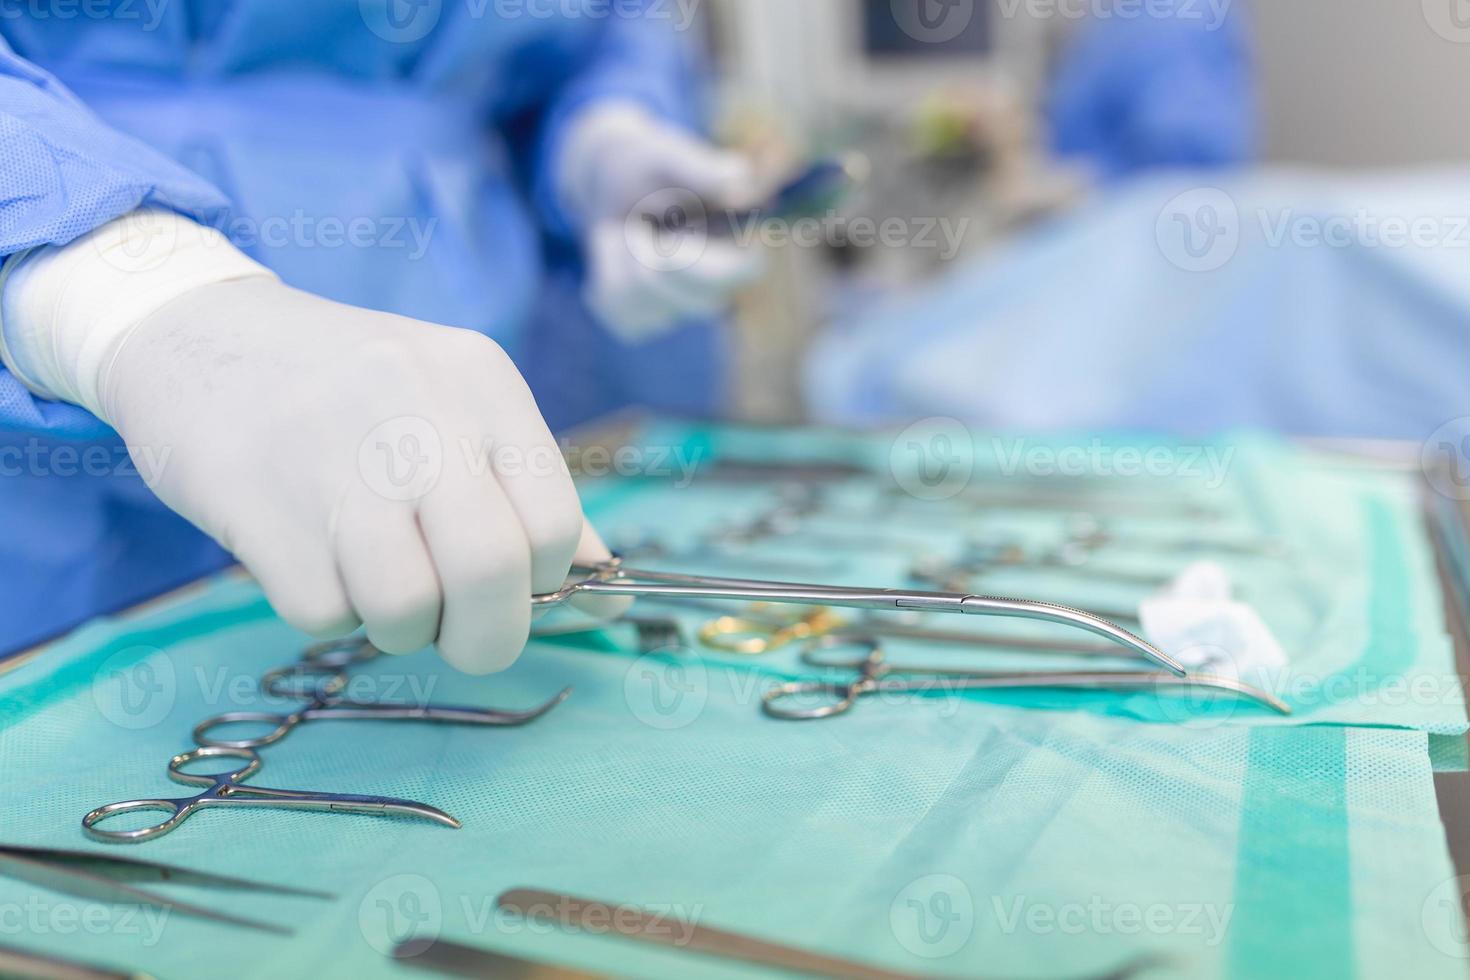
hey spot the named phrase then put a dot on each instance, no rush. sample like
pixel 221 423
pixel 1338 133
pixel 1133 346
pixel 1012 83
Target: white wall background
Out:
pixel 1365 82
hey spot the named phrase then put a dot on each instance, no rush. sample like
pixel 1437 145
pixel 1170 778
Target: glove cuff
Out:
pixel 65 310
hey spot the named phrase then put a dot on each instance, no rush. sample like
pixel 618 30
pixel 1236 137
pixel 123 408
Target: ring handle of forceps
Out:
pixel 283 725
pixel 341 653
pixel 844 695
pixel 271 685
pixel 177 808
pixel 869 660
pixel 333 681
pixel 355 711
pixel 870 668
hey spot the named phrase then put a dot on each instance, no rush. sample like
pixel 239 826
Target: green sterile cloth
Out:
pixel 987 840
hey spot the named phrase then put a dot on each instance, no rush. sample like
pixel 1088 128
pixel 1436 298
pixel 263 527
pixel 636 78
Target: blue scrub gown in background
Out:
pixel 1167 84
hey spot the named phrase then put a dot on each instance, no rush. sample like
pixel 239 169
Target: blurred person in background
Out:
pixel 1170 85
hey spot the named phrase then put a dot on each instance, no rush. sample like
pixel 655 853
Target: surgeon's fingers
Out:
pixel 532 472
pixel 705 288
pixel 385 566
pixel 298 573
pixel 592 551
pixel 723 268
pixel 621 290
pixel 636 289
pixel 483 560
pixel 722 178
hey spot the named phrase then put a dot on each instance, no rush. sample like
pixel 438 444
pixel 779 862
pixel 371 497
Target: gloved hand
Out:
pixel 365 467
pixel 622 173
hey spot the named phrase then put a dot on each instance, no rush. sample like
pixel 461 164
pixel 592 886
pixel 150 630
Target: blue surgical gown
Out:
pixel 1167 84
pixel 394 154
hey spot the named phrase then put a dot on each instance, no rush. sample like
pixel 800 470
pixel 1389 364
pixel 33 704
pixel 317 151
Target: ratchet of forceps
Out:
pixel 756 633
pixel 877 676
pixel 612 578
pixel 324 702
pixel 227 789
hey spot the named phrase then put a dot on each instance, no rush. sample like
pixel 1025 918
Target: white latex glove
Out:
pixel 367 468
pixel 621 173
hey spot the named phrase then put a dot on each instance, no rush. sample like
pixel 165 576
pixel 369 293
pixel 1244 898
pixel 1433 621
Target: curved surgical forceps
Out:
pixel 877 676
pixel 325 666
pixel 612 578
pixel 755 633
pixel 227 789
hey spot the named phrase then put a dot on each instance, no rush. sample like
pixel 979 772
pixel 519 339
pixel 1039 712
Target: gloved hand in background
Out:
pixel 622 172
pixel 366 468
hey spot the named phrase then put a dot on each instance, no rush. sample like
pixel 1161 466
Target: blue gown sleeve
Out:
pixel 651 59
pixel 63 172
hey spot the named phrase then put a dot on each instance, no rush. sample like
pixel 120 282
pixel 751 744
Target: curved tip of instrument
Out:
pixel 433 813
pixel 555 700
pixel 1162 659
pixel 1247 691
pixel 1271 701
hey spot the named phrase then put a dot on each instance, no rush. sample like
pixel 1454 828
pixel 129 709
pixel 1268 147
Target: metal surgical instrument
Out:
pixel 111 878
pixel 324 702
pixel 458 960
pixel 877 676
pixel 631 922
pixel 227 789
pixel 613 578
pixel 753 634
pixel 955 578
pixel 18 964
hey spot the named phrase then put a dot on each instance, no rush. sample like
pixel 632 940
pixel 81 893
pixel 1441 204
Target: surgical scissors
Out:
pixel 877 676
pixel 613 578
pixel 327 667
pixel 227 789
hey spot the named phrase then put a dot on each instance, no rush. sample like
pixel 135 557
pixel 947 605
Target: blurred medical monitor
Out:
pixel 905 46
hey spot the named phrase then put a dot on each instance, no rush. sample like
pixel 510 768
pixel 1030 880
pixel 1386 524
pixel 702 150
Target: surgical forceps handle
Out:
pixel 328 710
pixel 613 579
pixel 449 714
pixel 226 789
